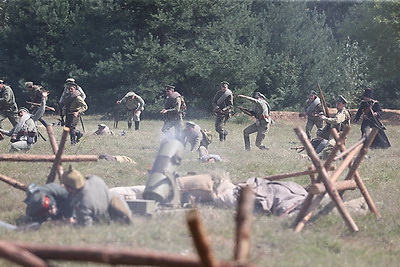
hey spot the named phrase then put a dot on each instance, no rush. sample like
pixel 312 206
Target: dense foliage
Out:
pixel 283 49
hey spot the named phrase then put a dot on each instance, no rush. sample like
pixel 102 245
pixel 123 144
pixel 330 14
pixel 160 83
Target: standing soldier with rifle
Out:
pixel 134 105
pixel 222 104
pixel 261 112
pixel 64 95
pixel 74 106
pixel 312 109
pixel 8 106
pixel 172 111
pixel 371 111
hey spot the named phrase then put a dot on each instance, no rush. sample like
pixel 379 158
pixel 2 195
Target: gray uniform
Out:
pixel 24 134
pixel 94 203
pixel 313 109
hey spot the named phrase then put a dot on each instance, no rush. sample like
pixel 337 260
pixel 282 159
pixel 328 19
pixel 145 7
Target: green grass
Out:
pixel 325 241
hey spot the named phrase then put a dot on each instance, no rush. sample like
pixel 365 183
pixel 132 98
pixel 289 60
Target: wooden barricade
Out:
pixel 326 182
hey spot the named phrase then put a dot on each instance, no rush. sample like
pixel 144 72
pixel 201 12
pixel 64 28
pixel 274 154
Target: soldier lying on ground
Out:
pixel 48 202
pixel 103 130
pixel 277 198
pixel 92 201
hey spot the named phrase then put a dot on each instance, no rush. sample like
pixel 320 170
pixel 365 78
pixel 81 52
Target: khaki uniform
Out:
pixel 134 105
pixel 74 103
pixel 194 136
pixel 8 106
pixel 173 116
pixel 339 121
pixel 261 112
pixel 223 106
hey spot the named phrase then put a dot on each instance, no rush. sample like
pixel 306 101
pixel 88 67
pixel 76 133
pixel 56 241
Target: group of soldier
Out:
pixel 86 200
pixel 369 110
pixel 24 132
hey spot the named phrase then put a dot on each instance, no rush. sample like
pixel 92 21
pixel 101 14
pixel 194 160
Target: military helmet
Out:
pixel 70 80
pixel 73 178
pixel 223 83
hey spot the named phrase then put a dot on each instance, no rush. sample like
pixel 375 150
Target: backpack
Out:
pixel 207 136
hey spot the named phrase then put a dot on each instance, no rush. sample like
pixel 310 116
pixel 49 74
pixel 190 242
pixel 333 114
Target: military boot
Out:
pixel 221 137
pixel 137 125
pixel 78 135
pixel 225 134
pixel 129 125
pixel 247 143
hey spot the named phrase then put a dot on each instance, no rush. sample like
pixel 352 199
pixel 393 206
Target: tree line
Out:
pixel 282 49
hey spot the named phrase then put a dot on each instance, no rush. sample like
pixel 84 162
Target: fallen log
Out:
pixel 109 255
pixel 20 256
pixel 47 158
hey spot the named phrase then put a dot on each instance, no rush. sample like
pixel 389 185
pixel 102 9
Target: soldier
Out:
pixel 222 104
pixel 65 92
pixel 8 106
pixel 134 105
pixel 103 130
pixel 74 106
pixel 49 202
pixel 25 132
pixel 193 135
pixel 261 112
pixel 92 201
pixel 35 95
pixel 371 111
pixel 313 109
pixel 339 122
pixel 172 111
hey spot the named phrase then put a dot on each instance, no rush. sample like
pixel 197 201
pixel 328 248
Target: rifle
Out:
pixel 247 111
pixel 83 126
pixel 374 120
pixel 61 119
pixel 5 132
pixel 38 105
pixel 116 116
pixel 325 106
pixel 298 148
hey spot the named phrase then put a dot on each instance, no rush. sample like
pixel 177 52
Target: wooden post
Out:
pixel 13 182
pixel 200 240
pixel 57 161
pixel 319 188
pixel 54 146
pixel 244 219
pixel 20 256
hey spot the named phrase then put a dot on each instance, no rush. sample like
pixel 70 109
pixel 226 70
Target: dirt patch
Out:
pixel 389 116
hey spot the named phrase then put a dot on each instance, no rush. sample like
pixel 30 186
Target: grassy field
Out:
pixel 325 241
